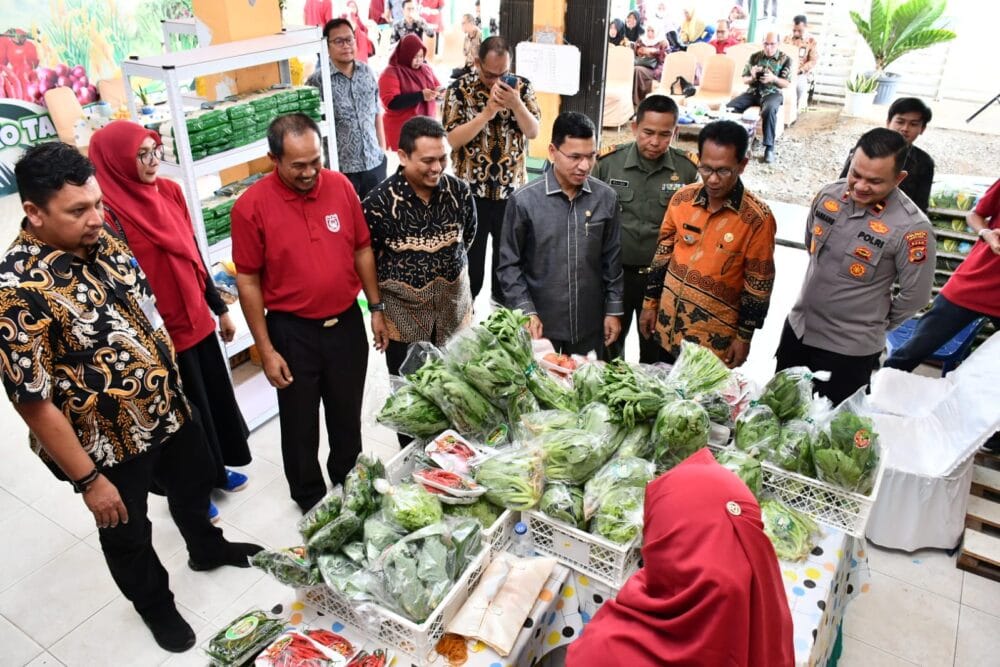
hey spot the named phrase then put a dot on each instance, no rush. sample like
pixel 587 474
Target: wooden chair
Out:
pixel 716 83
pixel 65 111
pixel 702 51
pixel 678 63
pixel 618 108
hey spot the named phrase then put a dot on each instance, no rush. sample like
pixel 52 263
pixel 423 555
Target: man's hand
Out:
pixel 276 370
pixel 737 353
pixel 380 332
pixel 105 503
pixel 993 240
pixel 647 323
pixel 505 96
pixel 227 330
pixel 768 76
pixel 493 107
pixel 612 329
pixel 534 326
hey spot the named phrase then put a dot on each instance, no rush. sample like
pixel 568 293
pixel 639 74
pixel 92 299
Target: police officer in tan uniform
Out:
pixel 863 234
pixel 645 174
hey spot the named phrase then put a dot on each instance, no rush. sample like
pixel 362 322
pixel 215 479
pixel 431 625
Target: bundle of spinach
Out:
pixel 631 394
pixel 846 451
pixel 790 532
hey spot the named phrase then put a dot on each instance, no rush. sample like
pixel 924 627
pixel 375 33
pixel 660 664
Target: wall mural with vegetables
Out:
pixel 66 43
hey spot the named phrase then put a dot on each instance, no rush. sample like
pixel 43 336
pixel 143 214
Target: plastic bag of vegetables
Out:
pixel 746 467
pixel 619 518
pixel 468 410
pixel 407 411
pixel 718 408
pixel 409 506
pixel 790 532
pixel 334 534
pixel 789 392
pixel 637 442
pixel 681 428
pixel 846 449
pixel 355 551
pixel 550 392
pixel 359 485
pixel 587 382
pixel 322 513
pixel 563 502
pixel 336 571
pixel 483 511
pixel 243 638
pixel 542 421
pixel 757 430
pixel 571 455
pixel 291 567
pixel 596 418
pixel 522 403
pixel 632 394
pixel 514 477
pixel 509 328
pixel 697 370
pixel 616 473
pixel 793 450
pixel 379 533
pixel 476 355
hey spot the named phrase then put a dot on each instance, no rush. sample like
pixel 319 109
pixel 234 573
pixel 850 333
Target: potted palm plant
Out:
pixel 896 27
pixel 860 95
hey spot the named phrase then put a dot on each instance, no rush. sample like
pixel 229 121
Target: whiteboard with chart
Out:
pixel 551 68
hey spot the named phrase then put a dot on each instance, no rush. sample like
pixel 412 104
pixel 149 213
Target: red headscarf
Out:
pixel 413 80
pixel 158 229
pixel 709 592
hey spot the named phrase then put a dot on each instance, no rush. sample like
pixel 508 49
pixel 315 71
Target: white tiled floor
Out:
pixel 58 605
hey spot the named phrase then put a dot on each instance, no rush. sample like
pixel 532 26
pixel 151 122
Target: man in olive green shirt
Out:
pixel 645 174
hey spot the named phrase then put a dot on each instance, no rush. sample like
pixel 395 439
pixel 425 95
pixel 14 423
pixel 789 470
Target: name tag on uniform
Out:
pixel 667 187
pixel 148 305
pixel 619 182
pixel 823 216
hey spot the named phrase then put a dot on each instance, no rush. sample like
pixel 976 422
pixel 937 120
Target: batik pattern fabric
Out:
pixel 493 162
pixel 83 333
pixel 712 274
pixel 420 257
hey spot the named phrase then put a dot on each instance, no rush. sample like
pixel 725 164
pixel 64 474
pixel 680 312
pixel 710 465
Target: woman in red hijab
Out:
pixel 408 88
pixel 151 215
pixel 709 592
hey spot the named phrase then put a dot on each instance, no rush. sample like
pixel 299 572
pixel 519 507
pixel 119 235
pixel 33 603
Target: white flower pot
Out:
pixel 858 104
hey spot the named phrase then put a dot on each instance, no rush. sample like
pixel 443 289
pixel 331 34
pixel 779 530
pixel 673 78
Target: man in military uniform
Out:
pixel 863 236
pixel 645 174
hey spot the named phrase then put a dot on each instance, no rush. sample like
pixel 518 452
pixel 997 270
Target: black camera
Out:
pixel 760 75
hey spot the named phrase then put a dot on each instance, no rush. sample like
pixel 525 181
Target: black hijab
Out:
pixel 619 32
pixel 633 34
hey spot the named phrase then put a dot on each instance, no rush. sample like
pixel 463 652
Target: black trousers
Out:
pixel 489 216
pixel 592 342
pixel 365 181
pixel 847 373
pixel 183 468
pixel 938 326
pixel 635 290
pixel 769 105
pixel 328 364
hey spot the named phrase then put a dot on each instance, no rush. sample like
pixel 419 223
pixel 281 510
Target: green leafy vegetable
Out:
pixel 788 393
pixel 617 473
pixel 596 418
pixel 482 510
pixel 681 428
pixel 333 535
pixel 524 402
pixel 697 370
pixel 746 467
pixel 536 423
pixel 477 356
pixel 547 390
pixel 632 394
pixel 718 408
pixel 359 485
pixel 468 410
pixel 322 513
pixel 563 502
pixel 514 478
pixel 757 430
pixel 379 533
pixel 291 567
pixel 637 442
pixel 846 451
pixel 407 411
pixel 793 450
pixel 620 517
pixel 587 382
pixel 411 507
pixel 572 454
pixel 790 532
pixel 508 326
pixel 245 636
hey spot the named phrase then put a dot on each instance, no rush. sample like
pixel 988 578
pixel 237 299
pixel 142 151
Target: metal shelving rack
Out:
pixel 256 397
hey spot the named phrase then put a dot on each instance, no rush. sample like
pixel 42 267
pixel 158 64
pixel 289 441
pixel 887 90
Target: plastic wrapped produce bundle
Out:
pixel 514 478
pixel 243 638
pixel 359 485
pixel 620 517
pixel 508 326
pixel 485 512
pixel 697 370
pixel 522 403
pixel 791 532
pixel 563 502
pixel 334 534
pixel 746 467
pixel 637 442
pixel 536 423
pixel 718 408
pixel 379 534
pixel 549 391
pixel 757 430
pixel 789 392
pixel 793 450
pixel 632 394
pixel 846 449
pixel 322 513
pixel 616 473
pixel 290 567
pixel 468 410
pixel 681 428
pixel 587 382
pixel 410 506
pixel 407 411
pixel 476 355
pixel 571 455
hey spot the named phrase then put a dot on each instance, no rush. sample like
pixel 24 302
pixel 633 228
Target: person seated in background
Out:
pixel 723 37
pixel 766 73
pixel 709 591
pixel 693 29
pixel 739 23
pixel 909 116
pixel 410 23
pixel 616 33
pixel 805 44
pixel 633 28
pixel 650 52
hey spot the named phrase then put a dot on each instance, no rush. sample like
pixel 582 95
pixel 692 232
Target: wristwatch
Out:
pixel 81 485
pixel 983 232
pixel 376 307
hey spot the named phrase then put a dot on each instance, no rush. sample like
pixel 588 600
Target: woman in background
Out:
pixel 151 215
pixel 616 33
pixel 709 592
pixel 365 48
pixel 633 27
pixel 650 52
pixel 407 88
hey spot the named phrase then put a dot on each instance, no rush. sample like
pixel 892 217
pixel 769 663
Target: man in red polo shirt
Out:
pixel 302 252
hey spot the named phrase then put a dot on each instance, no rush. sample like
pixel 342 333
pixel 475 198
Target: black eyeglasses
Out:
pixel 341 41
pixel 146 157
pixel 721 172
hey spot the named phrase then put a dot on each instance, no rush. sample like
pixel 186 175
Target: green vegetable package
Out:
pixel 291 567
pixel 563 502
pixel 846 451
pixel 243 638
pixel 793 450
pixel 587 382
pixel 757 430
pixel 476 355
pixel 746 467
pixel 468 410
pixel 632 394
pixel 788 393
pixel 617 473
pixel 514 478
pixel 508 326
pixel 411 507
pixel 697 370
pixel 407 411
pixel 637 441
pixel 790 532
pixel 681 428
pixel 572 455
pixel 620 517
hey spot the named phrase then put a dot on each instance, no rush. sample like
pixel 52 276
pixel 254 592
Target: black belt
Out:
pixel 640 269
pixel 324 322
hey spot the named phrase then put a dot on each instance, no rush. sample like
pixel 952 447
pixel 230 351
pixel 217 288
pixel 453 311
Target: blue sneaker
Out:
pixel 235 481
pixel 213 512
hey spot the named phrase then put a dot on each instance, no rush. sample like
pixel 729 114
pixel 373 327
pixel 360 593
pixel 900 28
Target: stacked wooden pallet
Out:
pixel 981 545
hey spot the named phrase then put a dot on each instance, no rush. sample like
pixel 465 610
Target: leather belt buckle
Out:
pixel 332 322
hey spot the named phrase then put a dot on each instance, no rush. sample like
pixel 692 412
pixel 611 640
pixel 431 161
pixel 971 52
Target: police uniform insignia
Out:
pixel 728 237
pixel 879 207
pixel 861 252
pixel 817 231
pixel 825 217
pixel 878 227
pixel 858 269
pixel 917 242
pixel 618 182
pixel 675 177
pixel 917 255
pixel 916 239
pixel 689 239
pixel 831 206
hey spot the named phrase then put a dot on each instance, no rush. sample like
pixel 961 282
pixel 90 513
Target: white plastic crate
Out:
pixel 497 536
pixel 601 559
pixel 387 628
